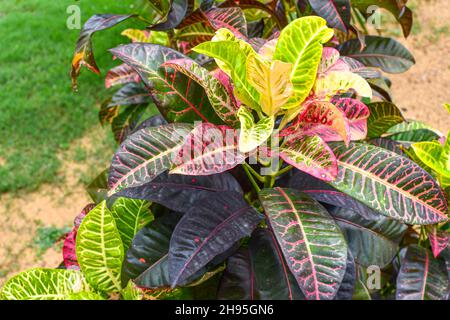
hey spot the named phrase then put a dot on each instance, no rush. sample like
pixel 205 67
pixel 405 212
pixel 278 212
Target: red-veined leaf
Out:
pixel 439 239
pixel 388 144
pixel 336 12
pixel 84 55
pixel 312 155
pixel 179 192
pixel 120 75
pixel 390 184
pixel 208 149
pixel 323 192
pixel 311 241
pixel 226 218
pixel 324 119
pixel 179 98
pixel 144 155
pixel 259 272
pixel 421 276
pixel 356 114
pixel 232 18
pixel 223 103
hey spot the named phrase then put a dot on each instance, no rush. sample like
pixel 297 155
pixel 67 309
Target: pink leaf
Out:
pixel 320 118
pixel 439 239
pixel 68 250
pixel 356 113
pixel 208 149
pixel 312 155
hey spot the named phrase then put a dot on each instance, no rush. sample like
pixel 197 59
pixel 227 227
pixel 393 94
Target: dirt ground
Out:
pixel 420 93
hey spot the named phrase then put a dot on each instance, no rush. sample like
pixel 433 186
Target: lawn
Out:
pixel 39 113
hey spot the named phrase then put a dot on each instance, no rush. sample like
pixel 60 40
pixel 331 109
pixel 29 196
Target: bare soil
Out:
pixel 420 93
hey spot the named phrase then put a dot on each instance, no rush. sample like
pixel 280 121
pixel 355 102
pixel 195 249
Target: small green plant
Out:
pixel 278 167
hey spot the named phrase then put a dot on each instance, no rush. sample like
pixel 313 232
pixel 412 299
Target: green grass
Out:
pixel 46 237
pixel 39 113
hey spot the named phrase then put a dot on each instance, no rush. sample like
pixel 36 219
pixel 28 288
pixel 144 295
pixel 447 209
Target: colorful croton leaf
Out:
pixel 326 120
pixel 230 55
pixel 156 37
pixel 84 56
pixel 145 154
pixel 385 53
pixel 270 80
pixel 178 97
pixel 68 250
pixel 434 155
pixel 372 238
pixel 356 114
pixel 421 276
pixel 300 44
pixel 130 216
pixel 178 10
pixel 177 192
pixel 439 239
pixel 252 134
pixel 259 272
pixel 44 284
pixel 335 76
pixel 336 12
pixel 226 218
pixel 383 115
pixel 208 149
pixel 231 18
pixel 390 184
pixel 219 96
pixel 312 243
pixel 310 154
pixel 99 249
pixel 146 260
pixel 336 82
pixel 120 75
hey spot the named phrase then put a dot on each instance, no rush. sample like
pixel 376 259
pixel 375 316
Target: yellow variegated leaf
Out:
pixel 230 55
pixel 136 35
pixel 434 155
pixel 300 43
pixel 224 34
pixel 253 135
pixel 336 82
pixel 271 80
pixel 44 284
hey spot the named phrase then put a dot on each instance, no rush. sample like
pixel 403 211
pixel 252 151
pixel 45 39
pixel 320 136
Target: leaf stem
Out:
pixel 250 176
pixel 284 170
pixel 253 172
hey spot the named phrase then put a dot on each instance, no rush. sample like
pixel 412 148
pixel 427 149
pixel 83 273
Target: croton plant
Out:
pixel 261 157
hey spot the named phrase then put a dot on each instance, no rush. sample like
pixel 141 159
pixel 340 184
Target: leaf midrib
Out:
pixel 386 183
